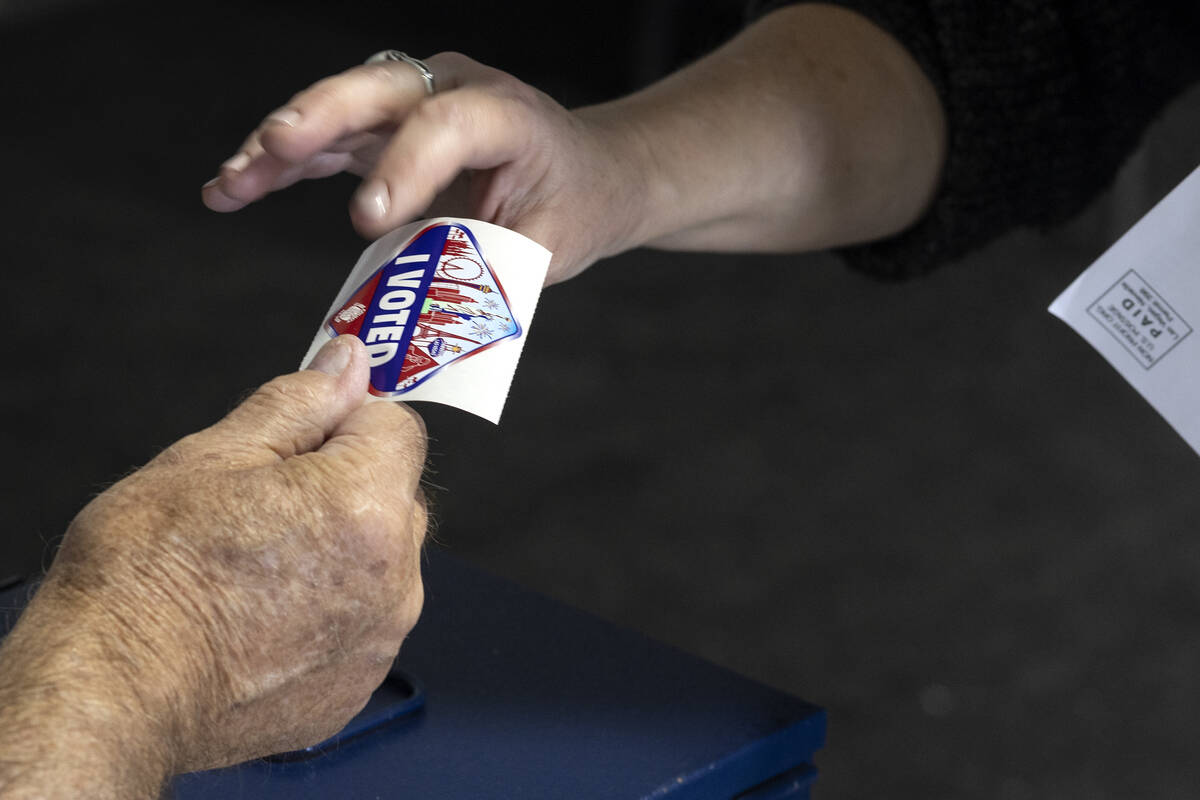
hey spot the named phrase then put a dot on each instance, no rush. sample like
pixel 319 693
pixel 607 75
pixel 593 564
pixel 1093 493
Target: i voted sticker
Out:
pixel 442 307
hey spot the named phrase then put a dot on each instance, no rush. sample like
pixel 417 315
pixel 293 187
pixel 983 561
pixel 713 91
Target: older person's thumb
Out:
pixel 296 413
pixel 334 357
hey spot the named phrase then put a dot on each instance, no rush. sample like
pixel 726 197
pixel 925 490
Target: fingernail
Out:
pixel 333 358
pixel 285 116
pixel 237 163
pixel 211 183
pixel 372 199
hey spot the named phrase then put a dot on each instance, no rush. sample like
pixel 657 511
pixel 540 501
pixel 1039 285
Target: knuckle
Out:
pixel 452 69
pixel 287 393
pixel 283 413
pixel 455 110
pixel 513 90
pixel 507 102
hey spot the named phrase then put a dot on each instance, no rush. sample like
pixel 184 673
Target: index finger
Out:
pixel 380 446
pixel 312 135
pixel 354 101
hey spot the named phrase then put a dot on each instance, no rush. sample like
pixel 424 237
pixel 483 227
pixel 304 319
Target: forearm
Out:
pixel 72 723
pixel 812 128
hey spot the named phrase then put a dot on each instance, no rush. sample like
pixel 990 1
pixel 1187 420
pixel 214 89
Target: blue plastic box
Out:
pixel 502 693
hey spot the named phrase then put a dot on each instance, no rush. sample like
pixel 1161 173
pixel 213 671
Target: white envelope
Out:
pixel 1138 303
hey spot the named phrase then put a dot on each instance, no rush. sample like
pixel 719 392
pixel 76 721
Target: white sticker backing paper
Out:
pixel 1138 302
pixel 443 307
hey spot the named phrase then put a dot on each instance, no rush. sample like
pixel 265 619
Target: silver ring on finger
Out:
pixel 420 66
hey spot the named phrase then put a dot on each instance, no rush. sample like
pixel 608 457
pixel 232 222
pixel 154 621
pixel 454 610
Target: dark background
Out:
pixel 928 507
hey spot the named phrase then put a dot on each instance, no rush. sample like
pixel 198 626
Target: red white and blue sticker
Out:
pixel 436 302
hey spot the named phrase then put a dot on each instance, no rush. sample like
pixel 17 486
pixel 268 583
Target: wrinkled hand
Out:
pixel 485 146
pixel 253 583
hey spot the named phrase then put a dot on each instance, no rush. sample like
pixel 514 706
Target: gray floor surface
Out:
pixel 929 507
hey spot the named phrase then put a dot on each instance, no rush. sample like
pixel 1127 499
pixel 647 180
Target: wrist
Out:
pixel 714 166
pixel 638 138
pixel 630 192
pixel 80 707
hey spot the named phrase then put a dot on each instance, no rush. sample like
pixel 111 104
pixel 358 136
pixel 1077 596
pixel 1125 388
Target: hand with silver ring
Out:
pixel 419 65
pixel 483 146
pixel 811 128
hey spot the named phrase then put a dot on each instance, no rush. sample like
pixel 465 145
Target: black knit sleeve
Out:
pixel 1044 101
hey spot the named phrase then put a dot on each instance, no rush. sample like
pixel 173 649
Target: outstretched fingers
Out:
pixel 252 173
pixel 318 133
pixel 472 128
pixel 358 100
